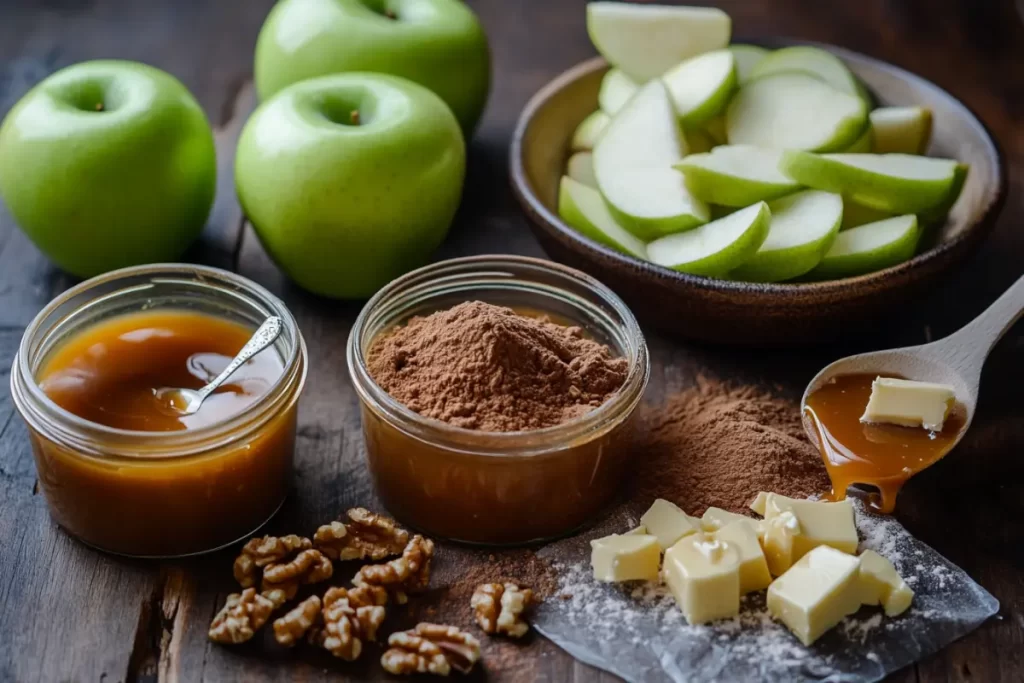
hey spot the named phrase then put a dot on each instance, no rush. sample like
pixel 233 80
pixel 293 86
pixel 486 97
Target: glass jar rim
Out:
pixel 522 443
pixel 166 445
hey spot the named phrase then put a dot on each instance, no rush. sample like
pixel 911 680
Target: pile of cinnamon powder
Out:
pixel 486 367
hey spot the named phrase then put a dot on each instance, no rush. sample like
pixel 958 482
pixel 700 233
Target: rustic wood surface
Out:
pixel 68 613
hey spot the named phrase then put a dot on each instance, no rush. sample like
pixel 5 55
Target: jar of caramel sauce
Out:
pixel 121 469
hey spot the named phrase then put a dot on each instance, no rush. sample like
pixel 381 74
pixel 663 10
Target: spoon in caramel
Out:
pixel 885 456
pixel 188 401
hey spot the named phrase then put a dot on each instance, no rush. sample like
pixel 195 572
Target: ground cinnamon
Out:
pixel 487 367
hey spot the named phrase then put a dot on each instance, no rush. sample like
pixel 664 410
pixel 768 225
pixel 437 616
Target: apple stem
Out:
pixel 99 106
pixel 390 14
pixel 354 116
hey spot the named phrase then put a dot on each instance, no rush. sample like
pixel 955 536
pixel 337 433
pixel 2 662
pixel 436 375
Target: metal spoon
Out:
pixel 188 401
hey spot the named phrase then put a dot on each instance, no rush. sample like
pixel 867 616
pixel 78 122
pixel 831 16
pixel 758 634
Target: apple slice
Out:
pixel 855 215
pixel 633 164
pixel 584 209
pixel 645 41
pixel 863 144
pixel 699 141
pixel 938 213
pixel 901 129
pixel 868 248
pixel 794 111
pixel 747 57
pixel 589 130
pixel 810 60
pixel 736 175
pixel 716 129
pixel 701 86
pixel 580 168
pixel 897 183
pixel 714 248
pixel 802 229
pixel 616 89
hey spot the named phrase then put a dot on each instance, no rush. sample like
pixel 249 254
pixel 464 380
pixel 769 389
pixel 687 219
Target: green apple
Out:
pixel 350 180
pixel 581 168
pixel 714 248
pixel 896 183
pixel 585 137
pixel 698 141
pixel 937 214
pixel 633 163
pixel 855 215
pixel 584 209
pixel 802 229
pixel 716 129
pixel 736 175
pixel 108 164
pixel 616 89
pixel 814 61
pixel 901 129
pixel 747 57
pixel 794 111
pixel 864 143
pixel 869 248
pixel 645 41
pixel 701 86
pixel 436 43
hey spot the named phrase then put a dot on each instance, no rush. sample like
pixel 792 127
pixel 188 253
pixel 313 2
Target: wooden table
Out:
pixel 68 613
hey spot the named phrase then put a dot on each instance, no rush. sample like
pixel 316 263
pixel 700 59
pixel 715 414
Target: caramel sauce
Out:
pixel 884 456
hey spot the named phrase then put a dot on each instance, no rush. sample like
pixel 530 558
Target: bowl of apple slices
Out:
pixel 759 194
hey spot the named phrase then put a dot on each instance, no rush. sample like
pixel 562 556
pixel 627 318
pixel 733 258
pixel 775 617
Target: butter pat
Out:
pixel 779 542
pixel 716 518
pixel 882 585
pixel 760 503
pixel 703 574
pixel 816 593
pixel 668 523
pixel 741 535
pixel 639 530
pixel 821 523
pixel 909 403
pixel 628 557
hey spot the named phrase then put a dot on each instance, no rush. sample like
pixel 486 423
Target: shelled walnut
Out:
pixel 243 614
pixel 309 566
pixel 499 608
pixel 291 627
pixel 348 618
pixel 366 536
pixel 260 552
pixel 431 648
pixel 409 573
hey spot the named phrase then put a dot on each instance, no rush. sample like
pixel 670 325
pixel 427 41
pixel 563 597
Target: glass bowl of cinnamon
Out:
pixel 497 397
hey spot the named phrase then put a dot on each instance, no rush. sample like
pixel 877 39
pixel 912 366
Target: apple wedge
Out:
pixel 938 213
pixel 736 175
pixel 699 141
pixel 802 229
pixel 855 215
pixel 583 208
pixel 901 129
pixel 701 86
pixel 868 248
pixel 714 248
pixel 580 168
pixel 645 41
pixel 747 57
pixel 585 137
pixel 716 129
pixel 863 144
pixel 616 89
pixel 794 111
pixel 814 61
pixel 633 163
pixel 896 183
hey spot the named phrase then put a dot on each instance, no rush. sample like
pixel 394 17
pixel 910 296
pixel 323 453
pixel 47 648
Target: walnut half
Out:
pixel 409 573
pixel 309 566
pixel 349 617
pixel 291 627
pixel 499 608
pixel 431 648
pixel 262 551
pixel 243 614
pixel 366 536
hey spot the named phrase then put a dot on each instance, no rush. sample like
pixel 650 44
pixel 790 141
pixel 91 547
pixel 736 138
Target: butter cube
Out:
pixel 753 566
pixel 909 403
pixel 760 502
pixel 882 585
pixel 668 523
pixel 704 576
pixel 821 523
pixel 639 530
pixel 625 558
pixel 779 542
pixel 816 593
pixel 716 518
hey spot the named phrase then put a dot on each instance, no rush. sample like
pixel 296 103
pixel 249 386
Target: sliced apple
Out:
pixel 736 175
pixel 616 89
pixel 794 111
pixel 802 229
pixel 716 129
pixel 938 213
pixel 581 168
pixel 584 209
pixel 701 86
pixel 645 41
pixel 863 144
pixel 714 248
pixel 814 61
pixel 589 130
pixel 699 141
pixel 633 163
pixel 747 57
pixel 896 183
pixel 855 215
pixel 901 129
pixel 869 248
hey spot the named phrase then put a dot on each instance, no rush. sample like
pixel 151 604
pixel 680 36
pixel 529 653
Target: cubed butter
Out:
pixel 668 523
pixel 882 585
pixel 703 574
pixel 909 403
pixel 716 518
pixel 628 557
pixel 816 593
pixel 741 535
pixel 639 530
pixel 759 503
pixel 821 523
pixel 779 542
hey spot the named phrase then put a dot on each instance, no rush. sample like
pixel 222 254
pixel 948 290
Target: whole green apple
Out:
pixel 108 164
pixel 350 180
pixel 436 43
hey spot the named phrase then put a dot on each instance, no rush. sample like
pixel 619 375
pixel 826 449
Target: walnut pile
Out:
pixel 409 573
pixel 243 614
pixel 499 608
pixel 349 617
pixel 290 628
pixel 366 536
pixel 260 552
pixel 431 648
pixel 309 566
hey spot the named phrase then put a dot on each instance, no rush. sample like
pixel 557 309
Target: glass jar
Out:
pixel 499 487
pixel 161 494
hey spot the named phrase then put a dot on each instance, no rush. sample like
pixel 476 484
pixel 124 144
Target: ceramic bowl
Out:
pixel 745 313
